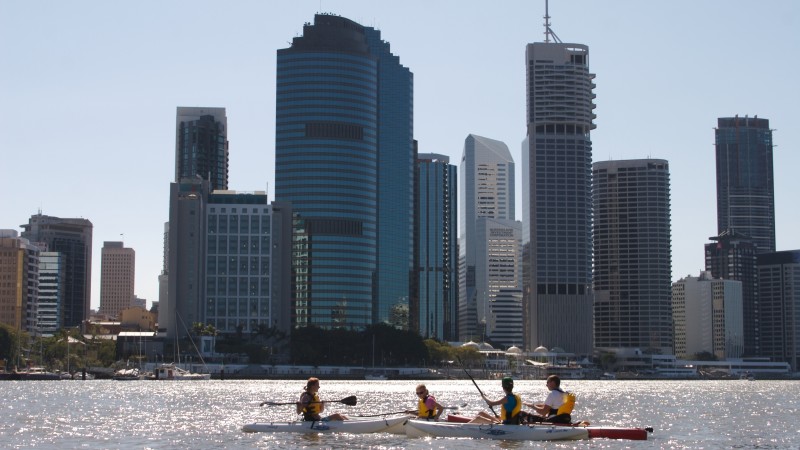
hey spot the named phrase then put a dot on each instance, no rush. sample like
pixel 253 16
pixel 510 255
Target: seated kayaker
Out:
pixel 510 410
pixel 556 407
pixel 311 407
pixel 427 406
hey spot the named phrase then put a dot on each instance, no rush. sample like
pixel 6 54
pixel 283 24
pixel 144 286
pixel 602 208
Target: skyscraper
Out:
pixel 437 310
pixel 557 197
pixel 745 181
pixel 733 257
pixel 487 188
pixel 52 269
pixel 117 278
pixel 779 298
pixel 632 256
pixel 72 238
pixel 344 159
pixel 201 145
pixel 19 272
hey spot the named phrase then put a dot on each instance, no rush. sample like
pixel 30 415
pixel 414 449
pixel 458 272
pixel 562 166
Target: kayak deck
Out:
pixel 382 425
pixel 423 428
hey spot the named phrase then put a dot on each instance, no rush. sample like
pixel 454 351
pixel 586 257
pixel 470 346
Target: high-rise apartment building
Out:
pixel 779 299
pixel 436 312
pixel 733 257
pixel 707 313
pixel 557 197
pixel 487 191
pixel 632 257
pixel 73 239
pixel 52 273
pixel 344 159
pixel 117 278
pixel 19 282
pixel 745 180
pixel 201 145
pixel 498 278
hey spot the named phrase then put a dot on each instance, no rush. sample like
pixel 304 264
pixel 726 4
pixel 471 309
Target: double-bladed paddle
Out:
pixel 476 385
pixel 349 401
pixel 403 412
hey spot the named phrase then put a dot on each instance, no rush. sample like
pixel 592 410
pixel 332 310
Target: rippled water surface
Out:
pixel 209 414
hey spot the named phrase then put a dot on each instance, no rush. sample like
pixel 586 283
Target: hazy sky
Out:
pixel 89 89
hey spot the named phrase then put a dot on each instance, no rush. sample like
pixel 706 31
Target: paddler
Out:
pixel 427 406
pixel 311 407
pixel 511 405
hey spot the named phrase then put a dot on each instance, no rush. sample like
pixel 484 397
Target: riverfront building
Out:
pixel 117 278
pixel 487 187
pixel 437 313
pixel 73 239
pixel 201 145
pixel 745 180
pixel 557 196
pixel 52 272
pixel 632 256
pixel 733 257
pixel 345 159
pixel 19 281
pixel 779 299
pixel 708 317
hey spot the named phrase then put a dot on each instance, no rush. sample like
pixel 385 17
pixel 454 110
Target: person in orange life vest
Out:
pixel 427 408
pixel 555 408
pixel 311 407
pixel 510 412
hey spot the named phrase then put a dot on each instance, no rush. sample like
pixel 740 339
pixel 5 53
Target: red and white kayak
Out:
pixel 424 428
pixel 382 425
pixel 629 433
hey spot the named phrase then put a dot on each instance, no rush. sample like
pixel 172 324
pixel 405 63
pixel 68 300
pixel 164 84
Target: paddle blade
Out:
pixel 349 401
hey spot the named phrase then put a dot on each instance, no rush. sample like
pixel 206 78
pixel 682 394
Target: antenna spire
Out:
pixel 548 32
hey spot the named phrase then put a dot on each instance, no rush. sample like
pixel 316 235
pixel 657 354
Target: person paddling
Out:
pixel 427 407
pixel 510 413
pixel 556 407
pixel 310 405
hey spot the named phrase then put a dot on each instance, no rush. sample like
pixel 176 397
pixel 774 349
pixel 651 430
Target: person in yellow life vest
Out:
pixel 556 408
pixel 427 406
pixel 311 407
pixel 511 410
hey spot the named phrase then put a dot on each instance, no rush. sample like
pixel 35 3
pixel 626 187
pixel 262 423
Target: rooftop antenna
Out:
pixel 548 32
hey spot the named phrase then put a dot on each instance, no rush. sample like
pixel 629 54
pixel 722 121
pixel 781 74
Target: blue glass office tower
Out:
pixel 745 181
pixel 437 314
pixel 345 161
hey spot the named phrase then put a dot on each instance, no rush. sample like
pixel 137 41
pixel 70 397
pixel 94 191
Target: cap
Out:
pixel 508 382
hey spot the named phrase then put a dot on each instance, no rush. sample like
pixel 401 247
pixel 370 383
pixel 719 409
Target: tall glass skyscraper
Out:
pixel 632 257
pixel 345 161
pixel 557 197
pixel 745 181
pixel 201 145
pixel 437 313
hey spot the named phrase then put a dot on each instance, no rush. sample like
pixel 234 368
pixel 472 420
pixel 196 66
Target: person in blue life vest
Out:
pixel 311 407
pixel 556 407
pixel 511 407
pixel 427 406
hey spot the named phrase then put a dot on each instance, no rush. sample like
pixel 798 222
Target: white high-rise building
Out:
pixel 707 313
pixel 487 191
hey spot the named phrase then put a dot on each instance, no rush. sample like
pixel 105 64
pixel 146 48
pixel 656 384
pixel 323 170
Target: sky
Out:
pixel 89 91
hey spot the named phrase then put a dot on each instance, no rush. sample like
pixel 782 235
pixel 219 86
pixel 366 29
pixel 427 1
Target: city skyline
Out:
pixel 92 93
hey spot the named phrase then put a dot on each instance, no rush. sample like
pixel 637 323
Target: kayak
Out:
pixel 382 425
pixel 424 428
pixel 629 433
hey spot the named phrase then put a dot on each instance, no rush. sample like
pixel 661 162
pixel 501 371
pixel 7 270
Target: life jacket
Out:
pixel 568 405
pixel 313 408
pixel 424 412
pixel 511 417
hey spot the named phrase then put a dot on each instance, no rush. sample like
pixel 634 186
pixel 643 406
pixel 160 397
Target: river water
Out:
pixel 107 414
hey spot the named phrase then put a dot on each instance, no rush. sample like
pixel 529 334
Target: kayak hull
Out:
pixel 424 428
pixel 595 432
pixel 382 425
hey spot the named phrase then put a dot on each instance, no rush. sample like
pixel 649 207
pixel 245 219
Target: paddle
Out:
pixel 402 412
pixel 349 401
pixel 476 385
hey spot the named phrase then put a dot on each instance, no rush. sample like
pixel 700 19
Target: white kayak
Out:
pixel 424 428
pixel 381 425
